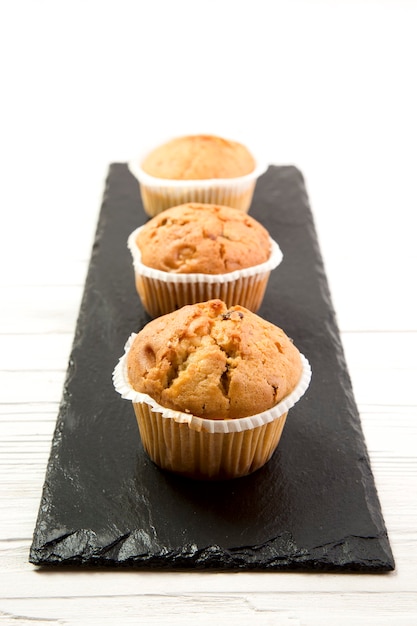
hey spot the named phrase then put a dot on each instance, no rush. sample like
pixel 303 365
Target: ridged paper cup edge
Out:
pixel 123 387
pixel 171 277
pixel 152 181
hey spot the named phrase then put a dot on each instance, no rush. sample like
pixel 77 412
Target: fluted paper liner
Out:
pixel 207 448
pixel 159 194
pixel 162 292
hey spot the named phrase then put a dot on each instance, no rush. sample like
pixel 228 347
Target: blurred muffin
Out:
pixel 199 157
pixel 197 252
pixel 211 387
pixel 197 168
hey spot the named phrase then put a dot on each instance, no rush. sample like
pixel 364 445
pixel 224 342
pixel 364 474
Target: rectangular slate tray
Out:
pixel 314 506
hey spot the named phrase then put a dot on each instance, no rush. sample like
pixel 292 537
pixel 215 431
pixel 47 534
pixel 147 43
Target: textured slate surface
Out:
pixel 312 507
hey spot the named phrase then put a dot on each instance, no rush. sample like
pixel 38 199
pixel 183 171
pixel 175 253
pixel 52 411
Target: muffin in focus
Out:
pixel 211 387
pixel 196 252
pixel 197 168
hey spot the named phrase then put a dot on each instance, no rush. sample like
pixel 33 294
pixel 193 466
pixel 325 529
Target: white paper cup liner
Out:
pixel 159 194
pixel 204 448
pixel 124 388
pixel 162 292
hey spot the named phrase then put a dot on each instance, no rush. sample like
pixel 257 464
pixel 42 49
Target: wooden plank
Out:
pixel 299 607
pixel 42 352
pixel 40 309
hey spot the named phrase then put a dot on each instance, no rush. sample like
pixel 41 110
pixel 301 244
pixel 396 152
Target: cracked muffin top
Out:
pixel 199 157
pixel 203 238
pixel 214 362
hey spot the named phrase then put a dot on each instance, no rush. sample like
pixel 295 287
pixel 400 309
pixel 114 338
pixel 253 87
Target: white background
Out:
pixel 327 86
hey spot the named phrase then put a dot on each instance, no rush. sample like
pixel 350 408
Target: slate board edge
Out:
pixel 210 557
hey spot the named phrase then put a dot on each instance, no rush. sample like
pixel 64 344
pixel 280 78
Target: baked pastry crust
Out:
pixel 199 157
pixel 214 362
pixel 203 238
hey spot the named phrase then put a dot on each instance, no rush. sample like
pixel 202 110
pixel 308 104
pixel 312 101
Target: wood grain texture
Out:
pixel 382 369
pixel 327 86
pixel 28 407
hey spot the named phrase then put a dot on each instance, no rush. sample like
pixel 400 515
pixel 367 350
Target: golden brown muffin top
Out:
pixel 199 157
pixel 214 362
pixel 203 238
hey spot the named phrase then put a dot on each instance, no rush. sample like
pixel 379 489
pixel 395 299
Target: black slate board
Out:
pixel 314 506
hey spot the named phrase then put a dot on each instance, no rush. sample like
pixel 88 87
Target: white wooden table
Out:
pixel 329 87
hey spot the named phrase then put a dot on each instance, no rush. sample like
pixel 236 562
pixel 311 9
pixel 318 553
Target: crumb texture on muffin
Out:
pixel 214 362
pixel 203 238
pixel 199 157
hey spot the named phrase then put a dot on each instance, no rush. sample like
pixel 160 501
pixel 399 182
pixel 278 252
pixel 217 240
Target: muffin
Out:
pixel 197 252
pixel 197 168
pixel 211 387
